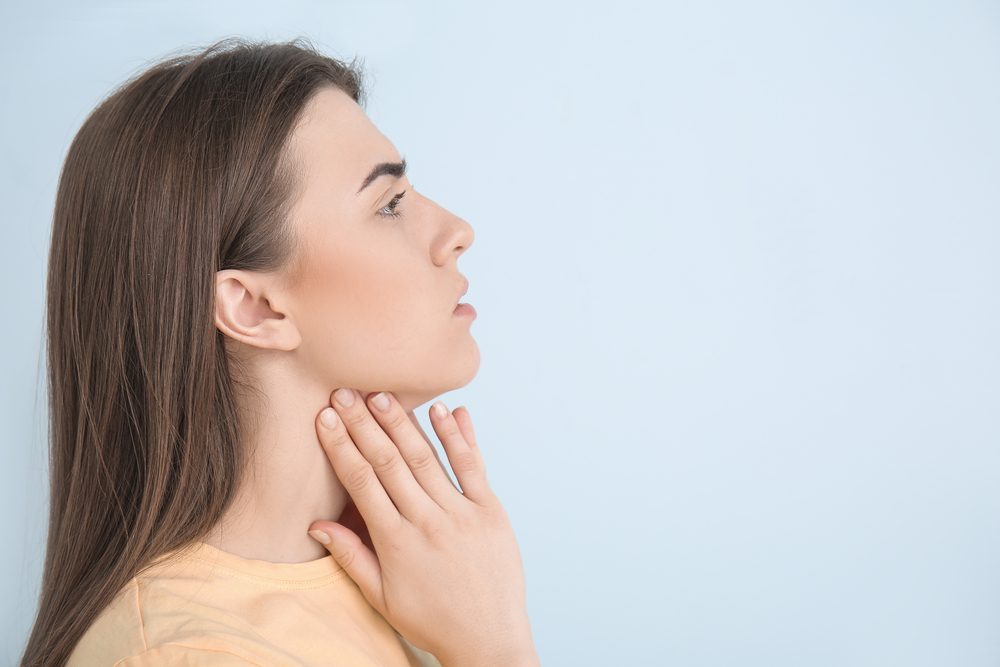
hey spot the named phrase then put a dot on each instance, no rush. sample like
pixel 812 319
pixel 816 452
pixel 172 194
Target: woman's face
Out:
pixel 372 295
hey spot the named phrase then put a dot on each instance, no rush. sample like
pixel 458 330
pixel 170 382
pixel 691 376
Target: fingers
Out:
pixel 355 473
pixel 420 429
pixel 382 451
pixel 465 460
pixel 461 415
pixel 416 450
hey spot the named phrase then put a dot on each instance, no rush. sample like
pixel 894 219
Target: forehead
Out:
pixel 336 144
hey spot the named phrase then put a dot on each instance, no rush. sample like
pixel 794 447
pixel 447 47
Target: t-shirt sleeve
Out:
pixel 178 655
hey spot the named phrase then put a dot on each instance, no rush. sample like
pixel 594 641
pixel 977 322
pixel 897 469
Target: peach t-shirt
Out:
pixel 213 608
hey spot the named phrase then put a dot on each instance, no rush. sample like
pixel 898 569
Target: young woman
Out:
pixel 233 241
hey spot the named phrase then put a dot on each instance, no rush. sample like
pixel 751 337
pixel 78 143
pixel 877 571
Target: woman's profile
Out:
pixel 233 240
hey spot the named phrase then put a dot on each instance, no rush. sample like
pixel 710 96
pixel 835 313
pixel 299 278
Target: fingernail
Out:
pixel 319 536
pixel 381 401
pixel 440 410
pixel 329 417
pixel 344 396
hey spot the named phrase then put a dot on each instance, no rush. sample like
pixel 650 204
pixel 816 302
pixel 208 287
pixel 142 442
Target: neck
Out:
pixel 291 482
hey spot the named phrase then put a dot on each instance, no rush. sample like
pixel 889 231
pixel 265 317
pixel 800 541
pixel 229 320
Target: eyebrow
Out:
pixel 396 169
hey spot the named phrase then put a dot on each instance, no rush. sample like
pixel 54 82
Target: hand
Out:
pixel 351 517
pixel 446 570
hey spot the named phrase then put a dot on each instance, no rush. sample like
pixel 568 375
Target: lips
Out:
pixel 465 288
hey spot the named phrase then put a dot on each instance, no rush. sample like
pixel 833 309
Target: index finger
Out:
pixel 356 473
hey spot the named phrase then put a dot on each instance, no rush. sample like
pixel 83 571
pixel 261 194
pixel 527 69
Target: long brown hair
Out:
pixel 181 172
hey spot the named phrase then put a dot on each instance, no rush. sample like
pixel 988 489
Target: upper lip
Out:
pixel 465 288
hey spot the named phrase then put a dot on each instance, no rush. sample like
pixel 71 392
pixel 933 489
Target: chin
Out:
pixel 460 372
pixel 472 364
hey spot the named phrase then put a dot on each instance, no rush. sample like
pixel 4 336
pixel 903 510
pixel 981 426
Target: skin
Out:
pixel 448 573
pixel 367 304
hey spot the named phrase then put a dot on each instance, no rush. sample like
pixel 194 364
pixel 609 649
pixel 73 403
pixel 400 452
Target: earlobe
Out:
pixel 245 314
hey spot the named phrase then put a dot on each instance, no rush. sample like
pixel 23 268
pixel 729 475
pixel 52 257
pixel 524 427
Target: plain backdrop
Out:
pixel 736 274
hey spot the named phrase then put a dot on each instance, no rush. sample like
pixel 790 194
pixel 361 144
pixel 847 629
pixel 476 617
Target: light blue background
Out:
pixel 736 274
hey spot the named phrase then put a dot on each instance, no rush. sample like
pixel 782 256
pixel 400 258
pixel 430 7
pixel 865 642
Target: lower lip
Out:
pixel 465 309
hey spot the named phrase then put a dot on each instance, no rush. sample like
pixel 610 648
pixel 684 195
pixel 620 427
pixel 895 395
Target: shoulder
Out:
pixel 116 631
pixel 163 628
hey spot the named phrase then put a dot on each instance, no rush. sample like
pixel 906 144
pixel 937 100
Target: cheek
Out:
pixel 372 320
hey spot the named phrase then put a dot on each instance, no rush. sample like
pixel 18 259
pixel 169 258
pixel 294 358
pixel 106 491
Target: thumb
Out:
pixel 358 561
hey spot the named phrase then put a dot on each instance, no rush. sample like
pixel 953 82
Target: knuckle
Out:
pixel 383 461
pixel 359 477
pixel 450 430
pixel 495 506
pixel 488 499
pixel 434 529
pixel 345 557
pixel 396 421
pixel 355 417
pixel 337 439
pixel 465 462
pixel 422 460
pixel 468 521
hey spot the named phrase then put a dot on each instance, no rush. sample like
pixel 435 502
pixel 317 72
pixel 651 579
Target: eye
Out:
pixel 389 210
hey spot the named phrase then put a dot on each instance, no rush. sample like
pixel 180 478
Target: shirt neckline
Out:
pixel 318 571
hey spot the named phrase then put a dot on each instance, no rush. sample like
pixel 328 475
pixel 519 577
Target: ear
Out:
pixel 244 312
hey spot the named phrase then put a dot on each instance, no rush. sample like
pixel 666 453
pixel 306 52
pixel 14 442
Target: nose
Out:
pixel 466 235
pixel 456 236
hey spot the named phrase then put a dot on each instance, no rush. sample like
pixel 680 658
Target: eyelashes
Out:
pixel 389 210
